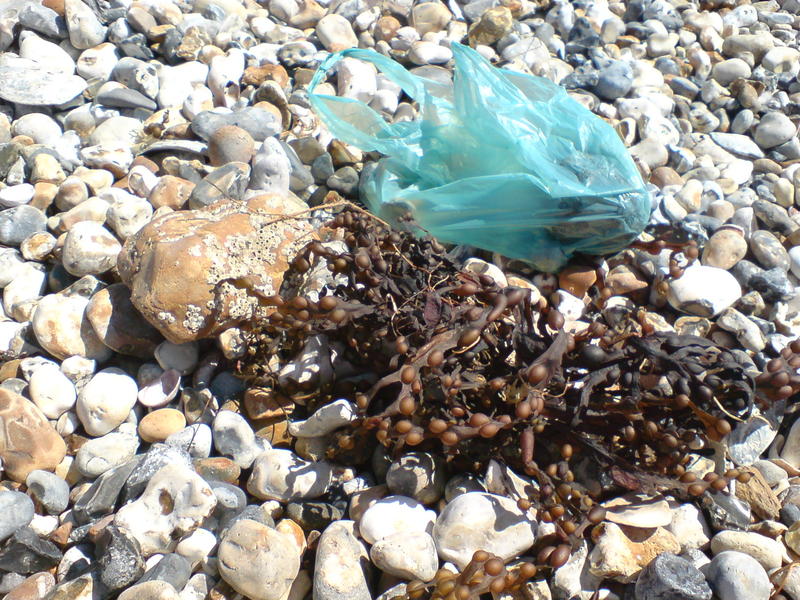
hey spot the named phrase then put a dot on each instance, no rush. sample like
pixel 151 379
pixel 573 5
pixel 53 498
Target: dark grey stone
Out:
pixel 27 553
pixel 226 386
pixel 344 181
pixel 322 168
pixel 101 498
pixel 253 512
pixel 670 577
pixel 20 222
pixel 119 557
pixel 774 285
pixel 790 514
pixel 744 271
pixel 172 568
pixel 300 175
pixel 43 20
pixel 614 81
pixel 313 515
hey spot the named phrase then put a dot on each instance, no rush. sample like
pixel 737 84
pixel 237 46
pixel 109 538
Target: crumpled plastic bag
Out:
pixel 500 160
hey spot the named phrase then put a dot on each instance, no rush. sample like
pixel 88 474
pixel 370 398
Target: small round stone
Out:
pixel 230 144
pixel 158 425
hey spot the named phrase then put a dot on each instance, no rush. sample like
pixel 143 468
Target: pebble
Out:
pixel 27 440
pixel 480 521
pixel 158 425
pixel 419 475
pixel 774 129
pixel 180 357
pixel 724 249
pixel 281 475
pixel 257 561
pixel 20 222
pixel 52 391
pixel 670 576
pixel 50 490
pixel 173 569
pixel 620 552
pixel 408 555
pixel 704 291
pixel 324 420
pixel 737 576
pixel 234 437
pixel 392 515
pixel 150 590
pixel 103 453
pixel 766 551
pixel 106 400
pixel 89 249
pixel 17 512
pixel 338 570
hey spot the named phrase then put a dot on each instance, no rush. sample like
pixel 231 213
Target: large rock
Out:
pixel 27 441
pixel 182 267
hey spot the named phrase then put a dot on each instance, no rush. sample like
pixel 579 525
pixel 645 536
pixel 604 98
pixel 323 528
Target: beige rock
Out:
pixel 160 424
pixel 46 168
pixel 185 268
pixel 119 325
pixel 150 590
pixel 766 551
pixel 620 552
pixel 759 495
pixel 494 24
pixel 230 144
pixel 27 440
pixel 33 588
pixel 725 248
pixel 171 191
pixel 623 280
pixel 430 16
pixel 257 561
pixel 61 324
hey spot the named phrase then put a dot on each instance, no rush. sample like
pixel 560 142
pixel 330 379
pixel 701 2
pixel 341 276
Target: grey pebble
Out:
pixel 16 511
pixel 20 222
pixel 259 123
pixel 670 577
pixel 172 568
pixel 49 490
pixel 737 576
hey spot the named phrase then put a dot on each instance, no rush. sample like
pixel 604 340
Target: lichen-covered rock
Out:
pixel 183 267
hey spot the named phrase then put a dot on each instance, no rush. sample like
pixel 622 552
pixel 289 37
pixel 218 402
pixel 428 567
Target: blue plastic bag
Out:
pixel 500 160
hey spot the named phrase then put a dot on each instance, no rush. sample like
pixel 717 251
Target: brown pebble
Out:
pixel 663 176
pixel 35 587
pixel 218 468
pixel 160 424
pixel 43 195
pixel 259 74
pixel 145 162
pixel 386 27
pixel 171 191
pixel 230 144
pixel 55 5
pixel 262 403
pixel 275 431
pixel 577 279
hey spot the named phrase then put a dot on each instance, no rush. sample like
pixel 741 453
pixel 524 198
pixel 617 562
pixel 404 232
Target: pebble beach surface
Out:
pixel 145 147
